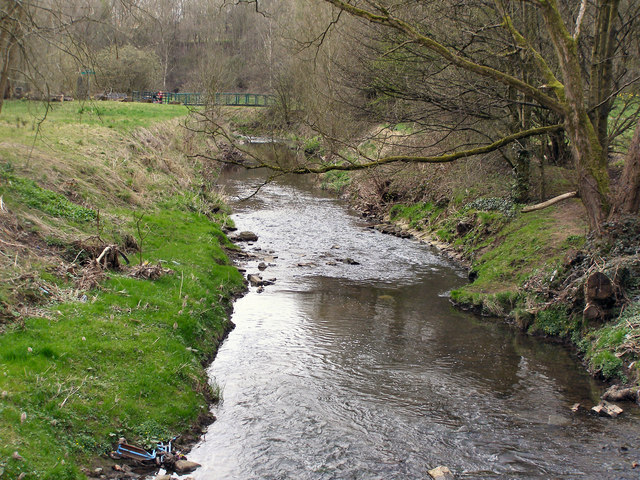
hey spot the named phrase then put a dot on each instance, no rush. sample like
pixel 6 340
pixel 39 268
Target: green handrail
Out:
pixel 197 99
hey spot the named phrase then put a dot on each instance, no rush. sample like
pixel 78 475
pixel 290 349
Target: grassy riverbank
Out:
pixel 88 355
pixel 532 269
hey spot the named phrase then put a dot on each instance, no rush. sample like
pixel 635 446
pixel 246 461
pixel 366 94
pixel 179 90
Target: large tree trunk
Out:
pixel 591 167
pixel 601 73
pixel 10 32
pixel 590 160
pixel 628 195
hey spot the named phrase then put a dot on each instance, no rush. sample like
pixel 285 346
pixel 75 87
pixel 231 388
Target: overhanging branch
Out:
pixel 450 157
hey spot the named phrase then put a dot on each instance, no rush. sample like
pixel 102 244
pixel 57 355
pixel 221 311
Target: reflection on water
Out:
pixel 343 371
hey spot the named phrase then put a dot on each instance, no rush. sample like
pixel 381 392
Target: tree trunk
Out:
pixel 10 28
pixel 628 195
pixel 523 174
pixel 591 167
pixel 601 74
pixel 590 160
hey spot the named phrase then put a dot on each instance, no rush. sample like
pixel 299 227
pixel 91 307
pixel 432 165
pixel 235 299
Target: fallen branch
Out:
pixel 548 203
pixel 104 252
pixel 72 392
pixel 13 244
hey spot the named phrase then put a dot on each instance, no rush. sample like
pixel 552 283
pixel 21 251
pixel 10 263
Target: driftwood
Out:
pixel 548 203
pixel 109 257
pixel 593 311
pixel 600 295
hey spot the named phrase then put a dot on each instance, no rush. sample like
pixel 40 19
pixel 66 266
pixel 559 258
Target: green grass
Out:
pixel 122 117
pixel 554 322
pixel 124 359
pixel 128 361
pixel 418 215
pixel 46 201
pixel 521 247
pixel 606 346
pixel 335 181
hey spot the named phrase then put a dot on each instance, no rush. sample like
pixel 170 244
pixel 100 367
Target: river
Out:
pixel 365 371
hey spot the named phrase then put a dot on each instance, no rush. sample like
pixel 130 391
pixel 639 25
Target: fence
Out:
pixel 195 99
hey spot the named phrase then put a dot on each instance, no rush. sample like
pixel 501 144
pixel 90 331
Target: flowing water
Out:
pixel 365 371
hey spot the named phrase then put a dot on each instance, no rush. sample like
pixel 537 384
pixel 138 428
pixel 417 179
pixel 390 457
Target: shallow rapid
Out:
pixel 354 365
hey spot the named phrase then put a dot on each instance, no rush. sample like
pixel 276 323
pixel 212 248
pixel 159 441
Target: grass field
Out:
pixel 81 366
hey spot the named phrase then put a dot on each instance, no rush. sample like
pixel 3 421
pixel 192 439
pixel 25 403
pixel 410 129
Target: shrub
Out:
pixel 553 321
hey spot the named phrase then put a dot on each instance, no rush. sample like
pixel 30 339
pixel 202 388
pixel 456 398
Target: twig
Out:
pixel 73 391
pixel 13 244
pixel 78 255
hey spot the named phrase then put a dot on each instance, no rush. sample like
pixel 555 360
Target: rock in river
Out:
pixel 244 237
pixel 185 466
pixel 349 261
pixel 441 473
pixel 606 409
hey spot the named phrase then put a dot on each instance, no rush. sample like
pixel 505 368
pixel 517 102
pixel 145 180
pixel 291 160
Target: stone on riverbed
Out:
pixel 244 237
pixel 257 281
pixel 185 466
pixel 441 473
pixel 606 409
pixel 349 261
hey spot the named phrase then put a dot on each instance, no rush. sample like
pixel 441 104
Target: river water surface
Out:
pixel 365 371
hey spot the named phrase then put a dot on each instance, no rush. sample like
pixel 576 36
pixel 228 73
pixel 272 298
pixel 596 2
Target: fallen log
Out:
pixel 548 203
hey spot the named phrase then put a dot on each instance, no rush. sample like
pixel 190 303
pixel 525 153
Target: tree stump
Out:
pixel 599 287
pixel 593 312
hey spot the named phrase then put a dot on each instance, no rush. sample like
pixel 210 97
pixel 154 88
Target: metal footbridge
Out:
pixel 197 99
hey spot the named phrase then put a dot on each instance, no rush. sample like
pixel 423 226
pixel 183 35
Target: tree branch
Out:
pixel 548 203
pixel 388 20
pixel 550 78
pixel 450 157
pixel 583 8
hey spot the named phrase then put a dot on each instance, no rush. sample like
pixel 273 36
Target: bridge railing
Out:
pixel 196 99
